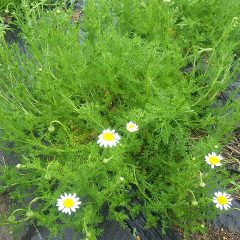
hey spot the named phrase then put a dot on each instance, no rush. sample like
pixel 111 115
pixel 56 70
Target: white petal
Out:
pixel 60 208
pixel 117 137
pixel 73 209
pixel 219 194
pixel 226 206
pixel 59 204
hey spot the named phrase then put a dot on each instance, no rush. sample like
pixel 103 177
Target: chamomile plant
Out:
pixel 120 109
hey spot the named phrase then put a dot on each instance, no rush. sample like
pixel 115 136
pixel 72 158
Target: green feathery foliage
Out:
pixel 161 65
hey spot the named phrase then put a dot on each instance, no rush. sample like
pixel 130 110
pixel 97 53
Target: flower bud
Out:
pixel 18 165
pixel 47 176
pixel 30 214
pixel 194 203
pixel 106 160
pixel 121 179
pixel 11 219
pixel 51 128
pixel 202 184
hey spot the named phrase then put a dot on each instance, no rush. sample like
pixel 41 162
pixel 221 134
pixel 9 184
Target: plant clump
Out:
pixel 123 105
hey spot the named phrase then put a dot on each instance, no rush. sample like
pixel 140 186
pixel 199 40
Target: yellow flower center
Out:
pixel 130 126
pixel 222 200
pixel 214 160
pixel 68 203
pixel 108 136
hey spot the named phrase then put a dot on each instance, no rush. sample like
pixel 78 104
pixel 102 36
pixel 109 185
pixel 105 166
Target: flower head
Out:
pixel 222 200
pixel 68 203
pixel 132 127
pixel 213 159
pixel 108 138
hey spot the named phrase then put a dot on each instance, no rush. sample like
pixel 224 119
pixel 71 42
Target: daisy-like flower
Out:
pixel 108 138
pixel 68 203
pixel 132 127
pixel 213 159
pixel 222 200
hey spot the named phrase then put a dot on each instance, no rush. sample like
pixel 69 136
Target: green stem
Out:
pixel 17 210
pixel 189 190
pixel 65 129
pixel 235 208
pixel 33 201
pixel 137 184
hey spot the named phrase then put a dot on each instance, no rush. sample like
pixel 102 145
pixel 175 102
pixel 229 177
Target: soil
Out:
pixel 5 233
pixel 220 234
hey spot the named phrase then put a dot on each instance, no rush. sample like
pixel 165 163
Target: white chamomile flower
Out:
pixel 213 159
pixel 132 127
pixel 108 138
pixel 222 200
pixel 68 203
